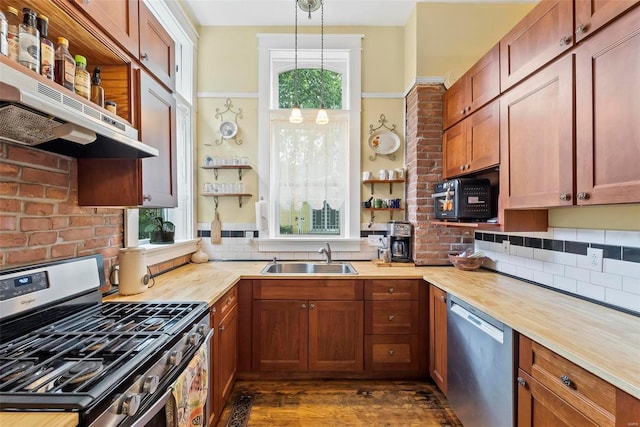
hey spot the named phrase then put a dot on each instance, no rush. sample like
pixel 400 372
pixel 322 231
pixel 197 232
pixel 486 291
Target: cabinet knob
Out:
pixel 86 1
pixel 391 317
pixel 462 111
pixel 312 306
pixel 581 29
pixel 144 57
pixel 391 352
pixel 390 290
pixel 566 380
pixel 565 196
pixel 583 196
pixel 443 299
pixel 303 306
pixel 521 381
pixel 565 41
pixel 461 167
pixel 221 329
pixel 146 197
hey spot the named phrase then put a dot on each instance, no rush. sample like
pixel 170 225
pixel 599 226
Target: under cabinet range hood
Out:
pixel 37 112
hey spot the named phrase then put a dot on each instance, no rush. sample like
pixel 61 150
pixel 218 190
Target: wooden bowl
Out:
pixel 466 264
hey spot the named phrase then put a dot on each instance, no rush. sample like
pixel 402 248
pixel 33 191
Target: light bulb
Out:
pixel 296 115
pixel 322 118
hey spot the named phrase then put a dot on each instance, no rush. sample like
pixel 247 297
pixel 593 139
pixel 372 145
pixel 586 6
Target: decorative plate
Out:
pixel 384 142
pixel 228 129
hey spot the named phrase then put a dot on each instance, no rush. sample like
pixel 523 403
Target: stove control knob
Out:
pixel 150 384
pixel 202 329
pixel 130 404
pixel 193 339
pixel 175 358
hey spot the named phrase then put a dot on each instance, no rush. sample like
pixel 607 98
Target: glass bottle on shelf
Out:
pixel 65 66
pixel 29 39
pixel 13 32
pixel 97 91
pixel 82 83
pixel 4 29
pixel 47 49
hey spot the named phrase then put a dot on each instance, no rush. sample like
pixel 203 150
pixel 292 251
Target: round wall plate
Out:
pixel 228 129
pixel 384 142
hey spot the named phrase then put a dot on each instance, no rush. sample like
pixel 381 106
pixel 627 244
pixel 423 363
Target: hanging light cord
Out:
pixel 321 54
pixel 295 77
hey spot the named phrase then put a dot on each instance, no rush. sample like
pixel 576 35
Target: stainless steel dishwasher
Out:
pixel 480 367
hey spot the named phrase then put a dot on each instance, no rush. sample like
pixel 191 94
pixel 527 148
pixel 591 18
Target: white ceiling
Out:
pixel 281 12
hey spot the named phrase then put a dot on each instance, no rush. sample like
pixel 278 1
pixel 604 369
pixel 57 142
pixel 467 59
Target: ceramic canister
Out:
pixel 133 277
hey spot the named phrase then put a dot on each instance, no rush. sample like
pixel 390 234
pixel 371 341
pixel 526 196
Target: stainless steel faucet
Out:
pixel 327 252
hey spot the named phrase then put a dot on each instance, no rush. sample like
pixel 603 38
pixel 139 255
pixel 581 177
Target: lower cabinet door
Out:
pixel 540 407
pixel 227 360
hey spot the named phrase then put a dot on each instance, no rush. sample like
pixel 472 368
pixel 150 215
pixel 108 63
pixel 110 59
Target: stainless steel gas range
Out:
pixel 113 363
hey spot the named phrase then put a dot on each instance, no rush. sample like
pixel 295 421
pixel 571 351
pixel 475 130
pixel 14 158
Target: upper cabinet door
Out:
pixel 537 39
pixel 157 49
pixel 607 103
pixel 591 15
pixel 118 18
pixel 537 139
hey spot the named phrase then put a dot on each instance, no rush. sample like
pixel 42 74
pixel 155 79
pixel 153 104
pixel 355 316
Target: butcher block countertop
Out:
pixel 605 342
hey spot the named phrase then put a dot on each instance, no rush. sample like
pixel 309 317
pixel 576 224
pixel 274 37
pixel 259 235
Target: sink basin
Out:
pixel 309 268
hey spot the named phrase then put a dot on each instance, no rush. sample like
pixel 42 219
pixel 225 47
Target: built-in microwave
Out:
pixel 463 199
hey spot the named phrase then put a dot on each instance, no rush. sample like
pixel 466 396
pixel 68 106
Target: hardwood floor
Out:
pixel 337 402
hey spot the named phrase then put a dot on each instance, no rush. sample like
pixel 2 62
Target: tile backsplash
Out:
pixel 558 259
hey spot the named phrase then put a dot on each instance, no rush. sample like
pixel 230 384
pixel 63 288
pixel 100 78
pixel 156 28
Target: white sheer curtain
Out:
pixel 310 164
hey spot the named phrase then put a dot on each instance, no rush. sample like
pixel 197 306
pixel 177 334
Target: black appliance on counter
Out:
pixel 463 199
pixel 399 233
pixel 112 363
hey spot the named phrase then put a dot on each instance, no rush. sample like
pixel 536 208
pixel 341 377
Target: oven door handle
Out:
pixel 147 416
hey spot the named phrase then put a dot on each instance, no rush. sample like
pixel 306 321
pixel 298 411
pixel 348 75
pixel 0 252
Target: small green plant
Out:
pixel 161 231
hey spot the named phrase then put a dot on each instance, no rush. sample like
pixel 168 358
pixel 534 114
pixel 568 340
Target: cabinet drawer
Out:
pixel 391 317
pixel 583 390
pixel 308 289
pixel 391 352
pixel 391 290
pixel 225 303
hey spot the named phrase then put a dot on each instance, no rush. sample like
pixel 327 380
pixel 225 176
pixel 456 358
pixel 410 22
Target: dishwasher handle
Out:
pixel 485 327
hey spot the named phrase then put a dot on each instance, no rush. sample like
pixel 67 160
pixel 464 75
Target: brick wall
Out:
pixel 40 219
pixel 432 243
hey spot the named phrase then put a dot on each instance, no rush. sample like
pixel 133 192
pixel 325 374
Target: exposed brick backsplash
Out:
pixel 432 243
pixel 40 219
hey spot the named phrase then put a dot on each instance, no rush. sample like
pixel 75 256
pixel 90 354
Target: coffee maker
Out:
pixel 399 233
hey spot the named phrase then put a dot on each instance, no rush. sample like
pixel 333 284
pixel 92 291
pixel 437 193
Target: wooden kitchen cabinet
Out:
pixel 473 144
pixel 438 337
pixel 593 15
pixel 224 354
pixel 554 391
pixel 395 328
pixel 118 18
pixel 541 36
pixel 537 139
pixel 307 326
pixel 157 48
pixel 478 86
pixel 149 182
pixel 607 129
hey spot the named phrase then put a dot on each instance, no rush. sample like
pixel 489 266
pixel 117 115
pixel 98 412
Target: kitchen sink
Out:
pixel 309 268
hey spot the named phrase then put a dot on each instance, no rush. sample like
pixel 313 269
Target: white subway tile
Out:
pixel 524 252
pixel 543 255
pixel 553 268
pixel 612 281
pixel 534 264
pixel 631 285
pixel 543 278
pixel 623 268
pixel 623 299
pixel 569 285
pixel 591 236
pixel 507 268
pixel 622 238
pixel 565 234
pixel 591 291
pixel 565 258
pixel 524 272
pixel 544 234
pixel 577 273
pixel 516 260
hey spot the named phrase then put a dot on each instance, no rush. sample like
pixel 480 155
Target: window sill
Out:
pixel 307 245
pixel 156 254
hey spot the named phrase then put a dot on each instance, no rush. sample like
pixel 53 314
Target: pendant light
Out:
pixel 296 114
pixel 322 118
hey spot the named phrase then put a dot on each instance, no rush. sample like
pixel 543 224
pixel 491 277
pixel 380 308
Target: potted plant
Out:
pixel 160 231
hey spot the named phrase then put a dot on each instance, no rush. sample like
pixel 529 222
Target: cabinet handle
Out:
pixel 443 299
pixel 583 196
pixel 312 306
pixel 391 352
pixel 566 380
pixel 462 111
pixel 144 57
pixel 565 41
pixel 391 317
pixel 303 306
pixel 390 290
pixel 565 196
pixel 581 29
pixel 461 167
pixel 221 329
pixel 521 381
pixel 229 300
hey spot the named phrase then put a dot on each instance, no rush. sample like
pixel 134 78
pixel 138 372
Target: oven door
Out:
pixel 445 205
pixel 184 402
